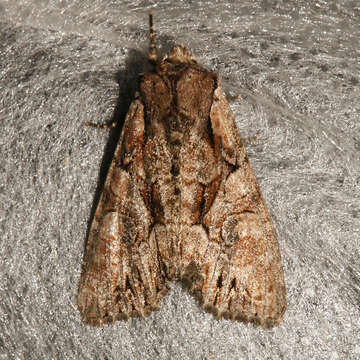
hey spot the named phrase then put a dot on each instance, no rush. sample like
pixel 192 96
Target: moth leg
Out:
pixel 250 139
pixel 232 98
pixel 101 126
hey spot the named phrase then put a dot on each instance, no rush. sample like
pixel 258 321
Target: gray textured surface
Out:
pixel 295 65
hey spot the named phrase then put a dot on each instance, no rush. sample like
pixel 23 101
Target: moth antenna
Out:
pixel 152 49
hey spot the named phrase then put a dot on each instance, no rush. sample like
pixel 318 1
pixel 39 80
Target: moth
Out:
pixel 181 202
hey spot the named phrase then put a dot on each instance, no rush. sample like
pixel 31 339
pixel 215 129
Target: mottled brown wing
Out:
pixel 121 275
pixel 232 259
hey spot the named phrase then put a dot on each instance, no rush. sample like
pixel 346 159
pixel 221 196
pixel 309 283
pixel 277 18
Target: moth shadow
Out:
pixel 127 79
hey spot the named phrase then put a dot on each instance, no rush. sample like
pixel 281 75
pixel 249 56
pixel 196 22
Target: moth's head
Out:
pixel 179 54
